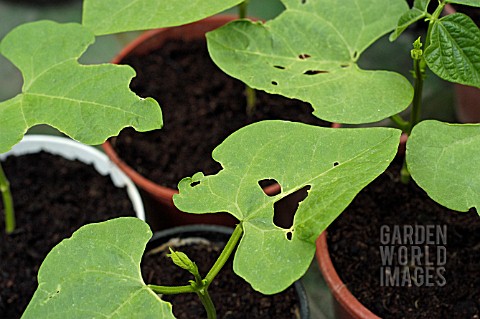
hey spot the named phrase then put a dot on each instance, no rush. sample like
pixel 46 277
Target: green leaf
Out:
pixel 106 17
pixel 472 3
pixel 87 102
pixel 335 163
pixel 454 50
pixel 310 51
pixel 416 13
pixel 443 160
pixel 96 274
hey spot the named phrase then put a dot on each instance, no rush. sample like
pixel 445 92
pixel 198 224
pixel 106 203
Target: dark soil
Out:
pixel 232 296
pixel 201 107
pixel 53 197
pixel 354 242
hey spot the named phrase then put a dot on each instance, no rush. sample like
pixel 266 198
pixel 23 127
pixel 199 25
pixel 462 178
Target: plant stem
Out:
pixel 419 76
pixel 208 304
pixel 401 123
pixel 227 251
pixel 165 290
pixel 7 202
pixel 242 9
pixel 249 92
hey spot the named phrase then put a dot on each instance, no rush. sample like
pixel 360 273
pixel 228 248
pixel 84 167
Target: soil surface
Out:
pixel 201 107
pixel 53 197
pixel 356 239
pixel 233 297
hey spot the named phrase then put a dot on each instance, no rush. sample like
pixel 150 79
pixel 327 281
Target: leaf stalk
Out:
pixel 7 202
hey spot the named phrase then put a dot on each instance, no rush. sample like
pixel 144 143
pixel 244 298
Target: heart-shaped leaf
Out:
pixel 443 160
pixel 96 274
pixel 87 102
pixel 335 163
pixel 310 51
pixel 113 16
pixel 454 50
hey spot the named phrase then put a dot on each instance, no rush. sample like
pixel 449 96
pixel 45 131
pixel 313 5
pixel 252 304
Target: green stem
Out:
pixel 401 123
pixel 166 290
pixel 7 202
pixel 419 74
pixel 208 304
pixel 227 251
pixel 242 9
pixel 249 92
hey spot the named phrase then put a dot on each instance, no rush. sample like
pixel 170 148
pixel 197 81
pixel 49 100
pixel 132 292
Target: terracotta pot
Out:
pixel 177 236
pixel 467 98
pixel 160 210
pixel 345 305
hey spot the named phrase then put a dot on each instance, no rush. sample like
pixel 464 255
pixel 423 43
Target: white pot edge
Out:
pixel 73 150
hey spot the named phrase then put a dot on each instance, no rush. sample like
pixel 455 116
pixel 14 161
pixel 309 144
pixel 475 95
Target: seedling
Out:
pixel 335 163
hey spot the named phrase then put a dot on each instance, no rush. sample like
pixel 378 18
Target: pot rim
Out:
pixel 339 289
pixel 227 231
pixel 72 150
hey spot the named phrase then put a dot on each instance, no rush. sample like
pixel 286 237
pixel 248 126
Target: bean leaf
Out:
pixel 87 102
pixel 454 50
pixel 442 158
pixel 416 13
pixel 113 16
pixel 310 52
pixel 96 274
pixel 335 163
pixel 472 3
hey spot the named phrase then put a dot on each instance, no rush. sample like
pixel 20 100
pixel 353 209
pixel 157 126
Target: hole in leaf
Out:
pixel 274 83
pixel 313 72
pixel 304 56
pixel 279 67
pixel 335 163
pixel 355 54
pixel 289 235
pixel 264 183
pixel 193 184
pixel 344 65
pixel 286 208
pixel 303 1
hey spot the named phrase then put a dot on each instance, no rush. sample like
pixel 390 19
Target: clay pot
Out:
pixel 191 234
pixel 160 210
pixel 467 98
pixel 345 305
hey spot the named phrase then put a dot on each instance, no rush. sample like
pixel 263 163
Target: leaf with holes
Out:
pixel 442 158
pixel 416 13
pixel 96 274
pixel 310 52
pixel 335 163
pixel 113 16
pixel 454 50
pixel 87 102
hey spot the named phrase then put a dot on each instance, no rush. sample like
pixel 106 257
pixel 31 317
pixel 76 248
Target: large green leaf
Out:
pixel 310 52
pixel 96 274
pixel 443 160
pixel 454 50
pixel 472 3
pixel 335 163
pixel 113 16
pixel 87 102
